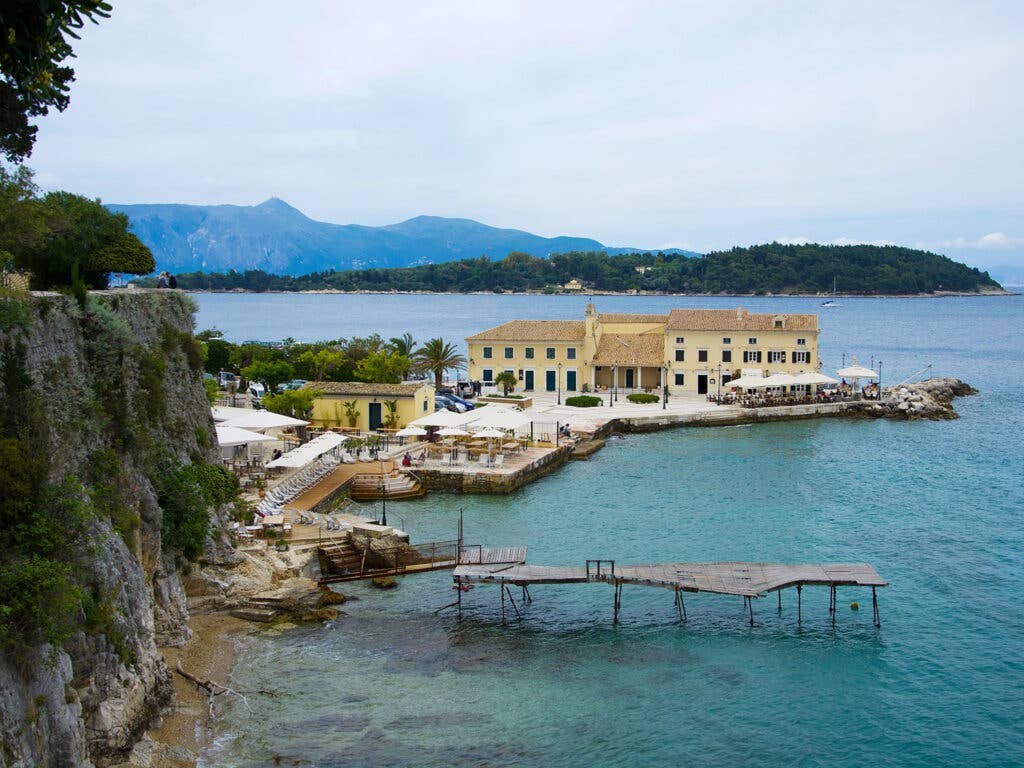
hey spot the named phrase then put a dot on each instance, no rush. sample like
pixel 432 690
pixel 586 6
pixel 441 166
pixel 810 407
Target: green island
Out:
pixel 772 268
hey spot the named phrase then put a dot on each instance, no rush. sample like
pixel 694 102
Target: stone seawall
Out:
pixel 930 399
pixel 491 481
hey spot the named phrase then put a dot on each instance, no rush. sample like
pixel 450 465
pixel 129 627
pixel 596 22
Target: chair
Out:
pixel 463 457
pixel 482 460
pixel 499 460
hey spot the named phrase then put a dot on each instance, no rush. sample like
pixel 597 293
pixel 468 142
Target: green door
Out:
pixel 550 380
pixel 376 422
pixel 629 378
pixel 528 380
pixel 570 380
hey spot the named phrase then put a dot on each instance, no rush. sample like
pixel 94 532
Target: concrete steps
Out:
pixel 397 486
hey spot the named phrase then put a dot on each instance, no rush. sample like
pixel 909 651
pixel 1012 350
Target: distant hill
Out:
pixel 761 269
pixel 278 239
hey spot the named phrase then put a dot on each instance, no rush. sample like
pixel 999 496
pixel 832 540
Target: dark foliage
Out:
pixel 762 269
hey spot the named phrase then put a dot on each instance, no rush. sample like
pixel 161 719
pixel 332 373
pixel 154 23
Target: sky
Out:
pixel 694 125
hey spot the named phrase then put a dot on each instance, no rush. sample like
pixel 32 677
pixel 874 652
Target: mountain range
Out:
pixel 279 239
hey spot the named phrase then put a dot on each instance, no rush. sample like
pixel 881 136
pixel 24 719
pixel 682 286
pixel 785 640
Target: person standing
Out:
pixel 172 281
pixel 162 280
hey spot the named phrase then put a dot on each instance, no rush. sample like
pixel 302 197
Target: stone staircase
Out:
pixel 340 556
pixel 397 485
pixel 261 608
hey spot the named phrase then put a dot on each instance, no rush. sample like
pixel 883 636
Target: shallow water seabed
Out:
pixel 935 507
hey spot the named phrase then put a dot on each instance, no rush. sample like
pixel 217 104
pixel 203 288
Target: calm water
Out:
pixel 936 507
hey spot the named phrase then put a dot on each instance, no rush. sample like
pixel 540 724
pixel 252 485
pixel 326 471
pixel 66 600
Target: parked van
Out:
pixel 224 377
pixel 256 393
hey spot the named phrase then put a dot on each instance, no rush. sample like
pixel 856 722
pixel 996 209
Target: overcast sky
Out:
pixel 700 125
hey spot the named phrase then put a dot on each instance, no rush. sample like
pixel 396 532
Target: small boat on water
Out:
pixel 832 302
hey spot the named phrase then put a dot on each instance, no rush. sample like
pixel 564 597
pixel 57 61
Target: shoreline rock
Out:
pixel 930 399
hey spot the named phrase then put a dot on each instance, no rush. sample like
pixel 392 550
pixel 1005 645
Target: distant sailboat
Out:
pixel 832 302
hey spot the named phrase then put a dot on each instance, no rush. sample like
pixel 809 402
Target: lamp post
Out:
pixel 615 382
pixel 383 497
pixel 558 384
pixel 664 388
pixel 719 384
pixel 879 381
pixel 610 388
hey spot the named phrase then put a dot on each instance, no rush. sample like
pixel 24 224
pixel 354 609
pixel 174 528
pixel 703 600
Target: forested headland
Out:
pixel 771 268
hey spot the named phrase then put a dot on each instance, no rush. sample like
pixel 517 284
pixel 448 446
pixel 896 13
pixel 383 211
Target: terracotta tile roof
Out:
pixel 612 318
pixel 533 330
pixel 362 388
pixel 631 349
pixel 735 320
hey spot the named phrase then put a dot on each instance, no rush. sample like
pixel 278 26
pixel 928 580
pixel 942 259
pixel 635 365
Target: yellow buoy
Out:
pixel 854 606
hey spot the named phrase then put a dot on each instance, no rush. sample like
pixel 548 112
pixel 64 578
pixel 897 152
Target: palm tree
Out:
pixel 403 345
pixel 506 380
pixel 437 356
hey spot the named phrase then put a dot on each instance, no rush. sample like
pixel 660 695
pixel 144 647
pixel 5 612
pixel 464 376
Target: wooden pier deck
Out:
pixel 747 580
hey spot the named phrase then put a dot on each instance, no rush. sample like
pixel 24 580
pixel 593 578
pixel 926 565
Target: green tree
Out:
pixel 297 403
pixel 351 412
pixel 218 355
pixel 21 214
pixel 81 237
pixel 36 43
pixel 272 373
pixel 391 420
pixel 212 390
pixel 438 356
pixel 382 367
pixel 327 363
pixel 506 380
pixel 404 345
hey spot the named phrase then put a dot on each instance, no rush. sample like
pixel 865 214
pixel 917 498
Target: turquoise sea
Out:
pixel 936 507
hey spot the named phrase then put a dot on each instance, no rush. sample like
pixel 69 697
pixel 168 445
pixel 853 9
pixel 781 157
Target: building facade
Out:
pixel 692 351
pixel 371 404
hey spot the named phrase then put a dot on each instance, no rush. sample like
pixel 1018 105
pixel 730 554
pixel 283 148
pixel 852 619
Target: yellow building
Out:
pixel 410 401
pixel 692 351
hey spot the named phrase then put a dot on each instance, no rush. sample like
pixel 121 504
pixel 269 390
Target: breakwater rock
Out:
pixel 928 399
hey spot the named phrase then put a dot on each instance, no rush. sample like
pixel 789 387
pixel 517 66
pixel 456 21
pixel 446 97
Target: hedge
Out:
pixel 642 397
pixel 583 401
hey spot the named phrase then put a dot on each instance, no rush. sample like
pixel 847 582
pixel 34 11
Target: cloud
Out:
pixel 993 240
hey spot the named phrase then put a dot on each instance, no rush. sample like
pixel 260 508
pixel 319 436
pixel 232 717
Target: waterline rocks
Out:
pixel 929 399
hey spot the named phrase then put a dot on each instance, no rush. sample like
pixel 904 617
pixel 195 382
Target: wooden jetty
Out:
pixel 747 580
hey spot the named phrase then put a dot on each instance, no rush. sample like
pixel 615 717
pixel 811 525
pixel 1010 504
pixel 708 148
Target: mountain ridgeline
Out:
pixel 761 269
pixel 278 239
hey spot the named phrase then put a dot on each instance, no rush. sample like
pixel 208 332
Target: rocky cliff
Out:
pixel 107 400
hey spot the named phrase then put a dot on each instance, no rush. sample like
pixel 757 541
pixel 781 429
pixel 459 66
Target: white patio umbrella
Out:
pixel 258 421
pixel 452 432
pixel 813 377
pixel 229 436
pixel 308 452
pixel 489 433
pixel 856 372
pixel 747 382
pixel 780 380
pixel 225 412
pixel 411 431
pixel 501 418
pixel 443 418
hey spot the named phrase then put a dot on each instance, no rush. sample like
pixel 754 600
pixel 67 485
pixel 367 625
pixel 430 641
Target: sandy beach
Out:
pixel 185 728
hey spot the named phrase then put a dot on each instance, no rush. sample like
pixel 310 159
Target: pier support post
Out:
pixel 780 600
pixel 680 606
pixel 799 614
pixel 874 605
pixel 832 605
pixel 502 591
pixel 512 600
pixel 458 587
pixel 750 606
pixel 618 602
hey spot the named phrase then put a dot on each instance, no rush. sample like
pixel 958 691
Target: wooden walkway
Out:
pixel 747 580
pixel 341 475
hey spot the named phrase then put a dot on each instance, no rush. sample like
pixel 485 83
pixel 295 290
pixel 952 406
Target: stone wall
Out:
pixel 493 482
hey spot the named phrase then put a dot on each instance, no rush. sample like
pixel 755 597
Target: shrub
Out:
pixel 642 397
pixel 583 401
pixel 186 492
